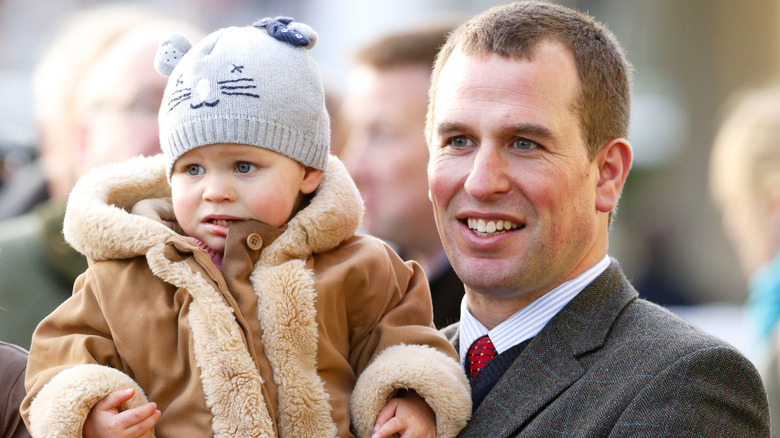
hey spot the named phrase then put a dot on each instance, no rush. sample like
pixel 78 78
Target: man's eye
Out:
pixel 195 169
pixel 525 144
pixel 244 167
pixel 460 142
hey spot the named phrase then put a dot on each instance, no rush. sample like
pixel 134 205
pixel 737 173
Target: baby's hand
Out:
pixel 158 209
pixel 105 420
pixel 408 415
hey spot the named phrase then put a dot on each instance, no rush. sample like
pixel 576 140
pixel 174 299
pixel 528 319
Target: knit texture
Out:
pixel 254 85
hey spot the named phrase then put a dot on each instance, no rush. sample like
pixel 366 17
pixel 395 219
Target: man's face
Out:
pixel 513 190
pixel 386 152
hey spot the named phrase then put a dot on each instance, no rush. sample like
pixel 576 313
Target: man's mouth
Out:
pixel 488 228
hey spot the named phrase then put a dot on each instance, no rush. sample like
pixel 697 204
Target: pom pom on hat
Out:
pixel 254 85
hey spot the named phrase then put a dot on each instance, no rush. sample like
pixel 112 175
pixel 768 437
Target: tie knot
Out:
pixel 479 354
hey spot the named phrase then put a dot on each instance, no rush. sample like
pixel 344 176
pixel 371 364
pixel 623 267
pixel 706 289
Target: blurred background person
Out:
pixel 384 108
pixel 97 96
pixel 745 184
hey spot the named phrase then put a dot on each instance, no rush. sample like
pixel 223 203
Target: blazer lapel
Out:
pixel 550 364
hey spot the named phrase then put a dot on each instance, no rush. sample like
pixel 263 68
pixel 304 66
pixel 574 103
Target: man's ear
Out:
pixel 614 161
pixel 311 180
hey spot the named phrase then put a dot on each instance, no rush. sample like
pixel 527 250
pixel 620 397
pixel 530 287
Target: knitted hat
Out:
pixel 254 85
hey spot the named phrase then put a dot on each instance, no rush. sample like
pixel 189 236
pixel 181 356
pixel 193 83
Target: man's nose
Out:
pixel 488 174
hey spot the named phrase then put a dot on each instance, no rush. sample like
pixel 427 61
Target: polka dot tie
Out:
pixel 479 354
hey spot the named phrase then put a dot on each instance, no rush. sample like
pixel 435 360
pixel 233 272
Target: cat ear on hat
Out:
pixel 287 30
pixel 170 52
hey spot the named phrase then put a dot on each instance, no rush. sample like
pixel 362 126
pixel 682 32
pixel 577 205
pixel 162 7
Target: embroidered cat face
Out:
pixel 204 86
pixel 206 91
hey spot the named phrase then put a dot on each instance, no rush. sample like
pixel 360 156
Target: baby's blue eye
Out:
pixel 525 144
pixel 195 169
pixel 460 142
pixel 244 167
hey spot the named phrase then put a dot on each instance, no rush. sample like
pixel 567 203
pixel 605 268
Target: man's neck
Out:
pixel 492 311
pixel 491 308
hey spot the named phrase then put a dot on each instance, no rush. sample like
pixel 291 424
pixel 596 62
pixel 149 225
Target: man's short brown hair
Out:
pixel 517 29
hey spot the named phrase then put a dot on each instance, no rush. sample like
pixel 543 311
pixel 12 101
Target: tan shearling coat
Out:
pixel 304 329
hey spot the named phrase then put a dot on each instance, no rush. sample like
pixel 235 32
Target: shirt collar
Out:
pixel 529 320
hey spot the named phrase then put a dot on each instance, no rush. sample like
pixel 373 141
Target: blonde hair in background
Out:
pixel 73 51
pixel 745 173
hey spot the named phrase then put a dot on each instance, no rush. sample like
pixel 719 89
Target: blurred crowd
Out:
pixel 96 97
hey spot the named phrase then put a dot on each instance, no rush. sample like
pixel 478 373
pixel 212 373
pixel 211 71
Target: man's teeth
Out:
pixel 491 227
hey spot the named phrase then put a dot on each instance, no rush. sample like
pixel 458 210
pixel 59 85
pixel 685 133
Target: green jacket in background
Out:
pixel 37 270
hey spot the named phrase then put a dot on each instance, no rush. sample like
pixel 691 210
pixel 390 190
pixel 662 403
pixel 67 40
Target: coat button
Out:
pixel 254 241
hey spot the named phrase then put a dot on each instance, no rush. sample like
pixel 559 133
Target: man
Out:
pixel 386 154
pixel 526 129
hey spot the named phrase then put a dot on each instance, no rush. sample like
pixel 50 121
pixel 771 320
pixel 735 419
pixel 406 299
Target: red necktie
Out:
pixel 479 354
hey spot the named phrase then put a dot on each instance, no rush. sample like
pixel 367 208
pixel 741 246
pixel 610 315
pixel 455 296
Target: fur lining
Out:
pixel 230 380
pixel 436 377
pixel 96 224
pixel 62 405
pixel 285 306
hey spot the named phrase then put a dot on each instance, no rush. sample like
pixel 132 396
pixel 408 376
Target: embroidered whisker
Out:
pixel 239 94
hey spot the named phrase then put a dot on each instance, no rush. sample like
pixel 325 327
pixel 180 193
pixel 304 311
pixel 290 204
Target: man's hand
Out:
pixel 105 420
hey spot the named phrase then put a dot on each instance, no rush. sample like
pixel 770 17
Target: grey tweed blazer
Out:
pixel 612 365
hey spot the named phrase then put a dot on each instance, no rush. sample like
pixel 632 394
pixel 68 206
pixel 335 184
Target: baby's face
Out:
pixel 214 185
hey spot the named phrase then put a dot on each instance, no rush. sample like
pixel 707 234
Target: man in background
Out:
pixel 384 109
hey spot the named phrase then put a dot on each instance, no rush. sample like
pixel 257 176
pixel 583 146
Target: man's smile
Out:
pixel 487 228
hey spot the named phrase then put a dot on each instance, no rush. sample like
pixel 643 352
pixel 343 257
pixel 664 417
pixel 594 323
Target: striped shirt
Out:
pixel 529 320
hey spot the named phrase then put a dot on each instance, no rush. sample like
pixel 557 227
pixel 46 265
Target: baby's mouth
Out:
pixel 220 222
pixel 485 228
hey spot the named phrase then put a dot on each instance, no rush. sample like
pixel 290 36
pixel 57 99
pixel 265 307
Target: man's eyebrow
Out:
pixel 521 129
pixel 448 127
pixel 532 129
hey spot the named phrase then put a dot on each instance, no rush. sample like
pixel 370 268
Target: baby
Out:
pixel 270 317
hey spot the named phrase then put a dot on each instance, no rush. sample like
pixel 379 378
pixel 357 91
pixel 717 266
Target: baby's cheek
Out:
pixel 275 209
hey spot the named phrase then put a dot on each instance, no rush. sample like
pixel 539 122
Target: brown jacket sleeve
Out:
pixel 73 362
pixel 394 345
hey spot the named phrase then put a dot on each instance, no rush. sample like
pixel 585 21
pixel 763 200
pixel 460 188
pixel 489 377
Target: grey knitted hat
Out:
pixel 254 85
